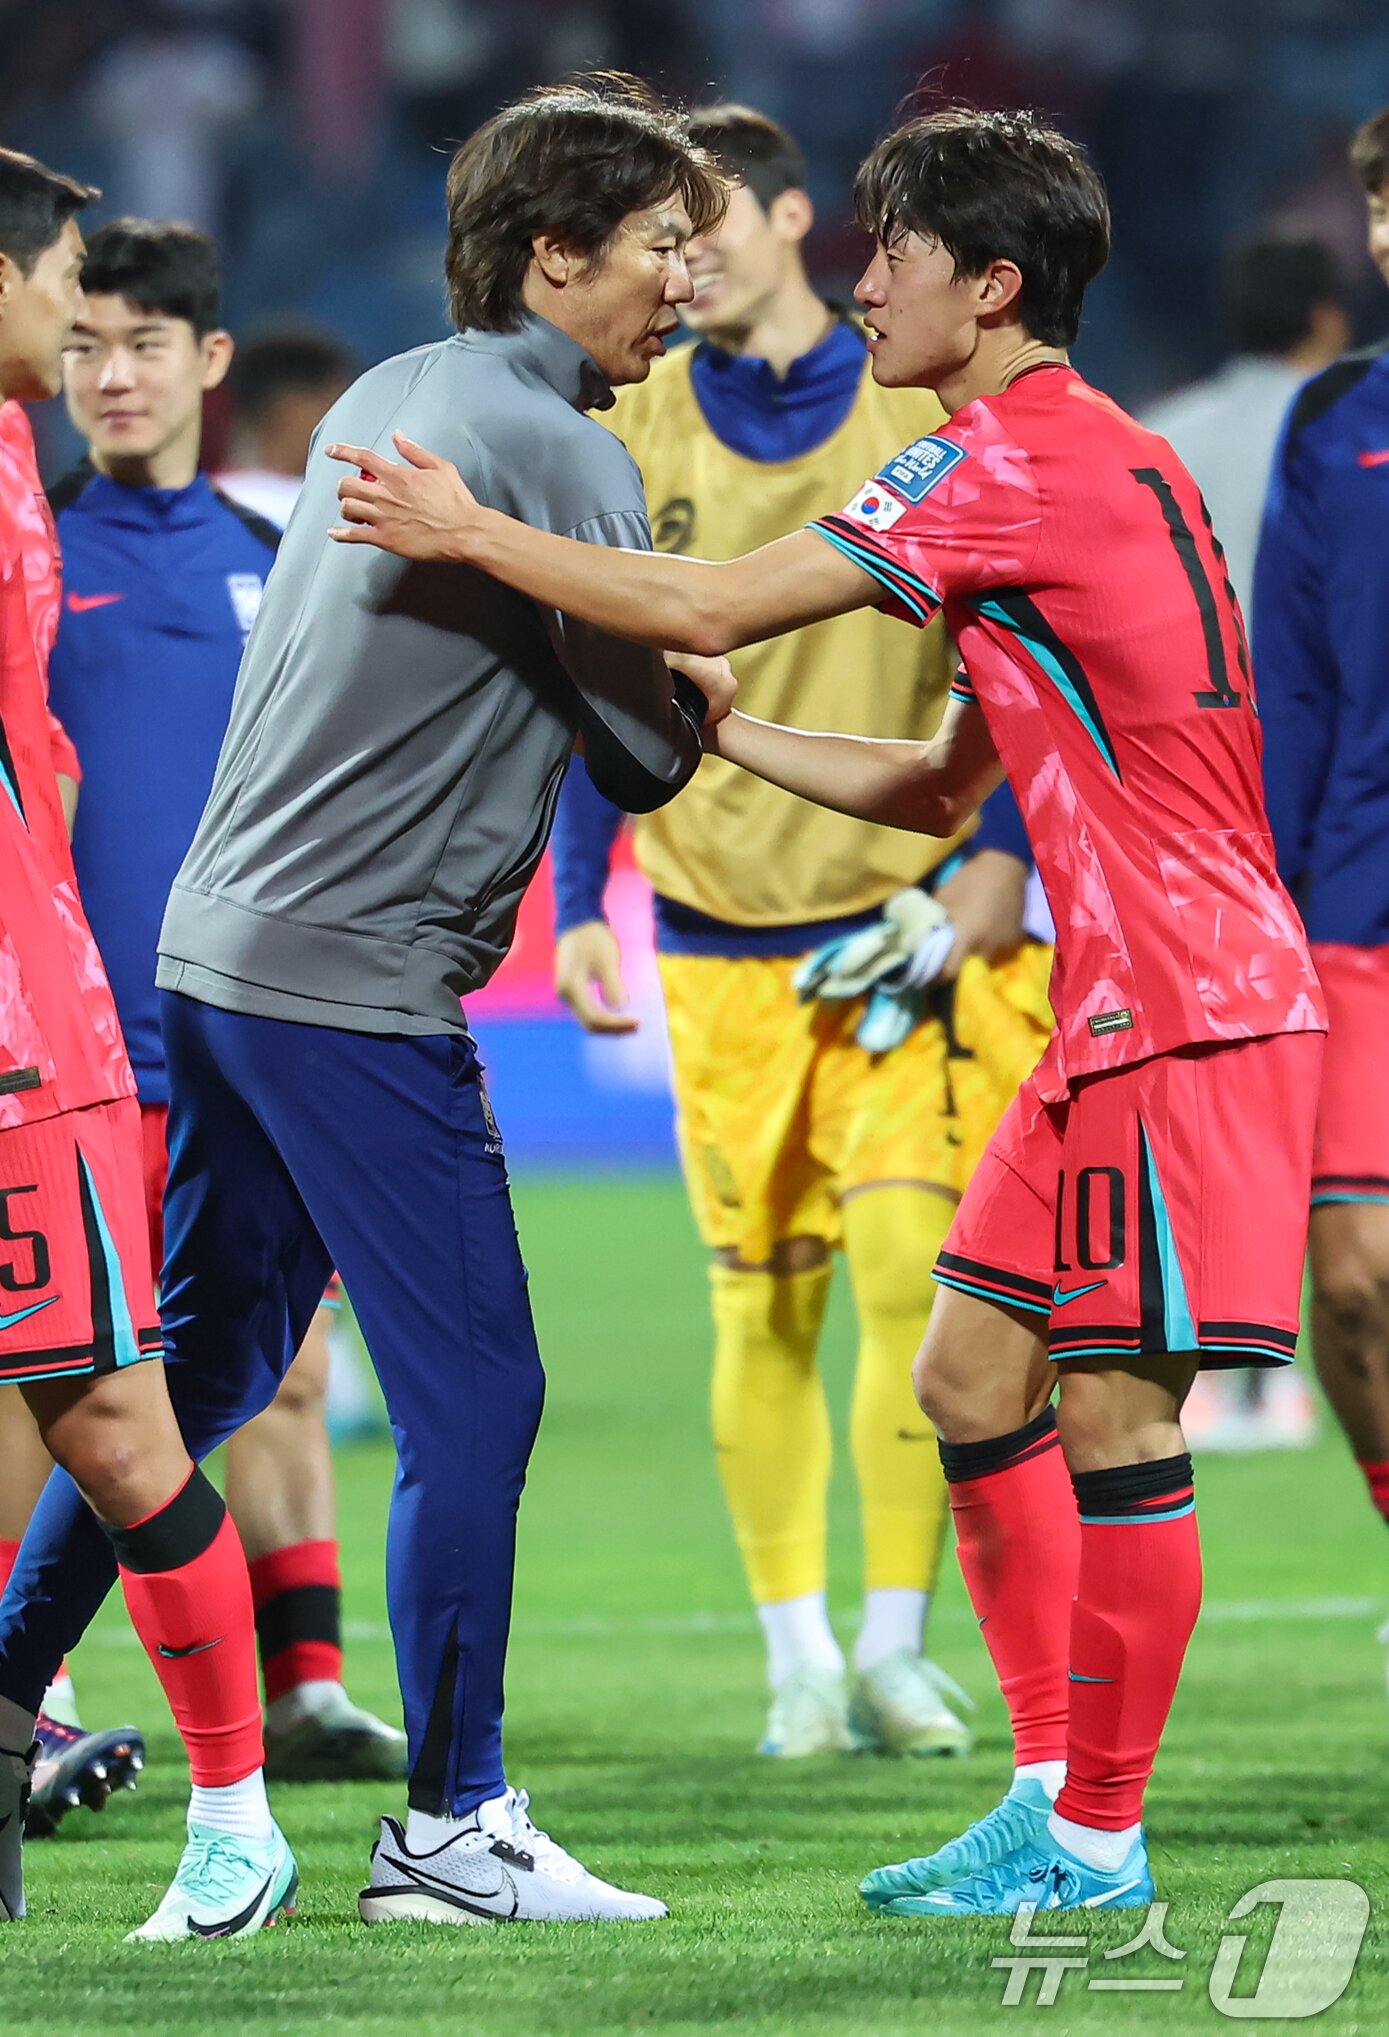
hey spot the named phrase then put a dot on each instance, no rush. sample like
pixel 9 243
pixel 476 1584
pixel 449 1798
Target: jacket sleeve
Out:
pixel 1295 665
pixel 640 721
pixel 581 844
pixel 1001 826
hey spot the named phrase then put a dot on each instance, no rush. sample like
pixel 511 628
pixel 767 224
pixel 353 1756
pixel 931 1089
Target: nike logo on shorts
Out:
pixel 1061 1295
pixel 194 1648
pixel 22 1315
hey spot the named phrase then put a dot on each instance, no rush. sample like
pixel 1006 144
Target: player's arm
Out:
pixel 66 768
pixel 928 788
pixel 588 961
pixel 423 509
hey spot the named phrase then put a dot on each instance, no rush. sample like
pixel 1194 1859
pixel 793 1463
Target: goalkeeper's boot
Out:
pixel 316 1734
pixel 899 1707
pixel 225 1887
pixel 1020 1820
pixel 809 1715
pixel 1041 1873
pixel 498 1868
pixel 76 1767
pixel 15 1773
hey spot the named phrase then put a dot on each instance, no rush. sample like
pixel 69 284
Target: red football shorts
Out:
pixel 76 1293
pixel 154 1131
pixel 1159 1208
pixel 1351 1159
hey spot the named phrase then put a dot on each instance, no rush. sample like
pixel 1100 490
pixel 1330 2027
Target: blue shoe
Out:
pixel 1042 1873
pixel 1019 1819
pixel 224 1888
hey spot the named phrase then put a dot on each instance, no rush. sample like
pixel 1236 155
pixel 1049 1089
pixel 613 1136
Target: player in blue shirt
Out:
pixel 162 580
pixel 1321 648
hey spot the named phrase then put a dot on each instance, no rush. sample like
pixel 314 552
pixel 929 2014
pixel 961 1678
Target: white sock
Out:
pixel 300 1702
pixel 240 1808
pixel 1051 1775
pixel 799 1636
pixel 426 1833
pixel 16 1727
pixel 60 1701
pixel 893 1620
pixel 1104 1851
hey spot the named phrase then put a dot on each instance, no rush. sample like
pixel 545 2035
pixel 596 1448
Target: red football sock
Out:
pixel 1376 1478
pixel 1019 1548
pixel 183 1572
pixel 298 1596
pixel 1137 1601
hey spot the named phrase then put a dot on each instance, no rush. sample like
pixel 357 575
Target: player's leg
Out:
pixel 744 1052
pixel 887 1125
pixel 73 1766
pixel 1179 1240
pixel 113 1431
pixel 1350 1209
pixel 279 1487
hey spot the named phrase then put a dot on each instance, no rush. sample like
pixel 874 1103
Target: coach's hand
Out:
pixel 419 510
pixel 714 678
pixel 587 957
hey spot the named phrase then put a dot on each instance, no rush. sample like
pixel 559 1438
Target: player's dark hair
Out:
pixel 995 187
pixel 1369 152
pixel 1272 285
pixel 286 360
pixel 36 203
pixel 167 269
pixel 750 147
pixel 570 160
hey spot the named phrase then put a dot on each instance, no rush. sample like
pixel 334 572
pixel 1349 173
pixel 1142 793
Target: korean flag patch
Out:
pixel 920 467
pixel 875 508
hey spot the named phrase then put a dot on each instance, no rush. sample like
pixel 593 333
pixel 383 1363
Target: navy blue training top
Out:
pixel 160 588
pixel 1321 650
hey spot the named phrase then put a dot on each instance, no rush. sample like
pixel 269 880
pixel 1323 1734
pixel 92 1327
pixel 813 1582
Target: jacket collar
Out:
pixel 540 349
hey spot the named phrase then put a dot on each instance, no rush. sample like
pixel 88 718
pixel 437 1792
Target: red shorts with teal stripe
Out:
pixel 1159 1208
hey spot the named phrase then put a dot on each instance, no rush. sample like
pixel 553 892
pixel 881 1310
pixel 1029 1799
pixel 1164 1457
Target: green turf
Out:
pixel 636 1697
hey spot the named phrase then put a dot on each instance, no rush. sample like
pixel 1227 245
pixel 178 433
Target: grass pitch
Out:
pixel 635 1699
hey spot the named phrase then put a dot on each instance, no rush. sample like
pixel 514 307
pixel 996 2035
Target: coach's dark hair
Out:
pixel 283 360
pixel 991 187
pixel 570 160
pixel 1369 152
pixel 750 147
pixel 36 203
pixel 1271 286
pixel 166 268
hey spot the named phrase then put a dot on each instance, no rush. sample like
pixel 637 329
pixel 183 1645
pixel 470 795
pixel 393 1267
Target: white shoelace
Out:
pixel 543 1849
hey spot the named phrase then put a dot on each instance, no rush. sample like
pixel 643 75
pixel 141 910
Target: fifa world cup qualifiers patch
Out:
pixel 1111 1022
pixel 920 467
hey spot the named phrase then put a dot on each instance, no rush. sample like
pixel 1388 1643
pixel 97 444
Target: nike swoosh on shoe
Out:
pixel 238 1922
pixel 475 1899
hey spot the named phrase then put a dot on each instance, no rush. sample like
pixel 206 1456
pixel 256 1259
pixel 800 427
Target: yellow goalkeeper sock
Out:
pixel 771 1425
pixel 891 1238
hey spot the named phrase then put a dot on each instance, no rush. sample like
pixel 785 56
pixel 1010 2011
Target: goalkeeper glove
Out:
pixel 891 963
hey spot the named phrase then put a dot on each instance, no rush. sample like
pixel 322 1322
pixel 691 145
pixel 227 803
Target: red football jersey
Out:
pixel 60 1040
pixel 1081 580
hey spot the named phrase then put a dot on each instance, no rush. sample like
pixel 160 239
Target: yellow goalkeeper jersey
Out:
pixel 732 847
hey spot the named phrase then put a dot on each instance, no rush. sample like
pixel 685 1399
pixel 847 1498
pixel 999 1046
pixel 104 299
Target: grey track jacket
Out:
pixel 400 731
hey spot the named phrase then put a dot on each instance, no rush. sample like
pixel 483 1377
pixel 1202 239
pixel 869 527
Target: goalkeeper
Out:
pixel 826 1097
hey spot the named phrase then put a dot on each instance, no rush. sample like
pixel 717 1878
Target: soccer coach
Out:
pixel 384 794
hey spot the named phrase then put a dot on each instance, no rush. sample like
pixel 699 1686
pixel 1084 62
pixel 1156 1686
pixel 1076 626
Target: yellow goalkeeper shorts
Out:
pixel 781 1113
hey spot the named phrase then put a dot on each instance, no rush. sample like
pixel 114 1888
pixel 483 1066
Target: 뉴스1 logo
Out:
pixel 1111 1022
pixel 874 507
pixel 921 466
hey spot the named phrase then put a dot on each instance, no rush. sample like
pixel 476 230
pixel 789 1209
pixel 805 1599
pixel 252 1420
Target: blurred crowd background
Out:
pixel 312 137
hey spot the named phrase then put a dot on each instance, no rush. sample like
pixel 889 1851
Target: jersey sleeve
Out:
pixel 1295 664
pixel 952 514
pixel 581 844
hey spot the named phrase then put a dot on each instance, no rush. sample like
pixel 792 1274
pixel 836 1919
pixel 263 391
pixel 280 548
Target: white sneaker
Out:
pixel 16 1773
pixel 809 1715
pixel 317 1734
pixel 899 1707
pixel 499 1869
